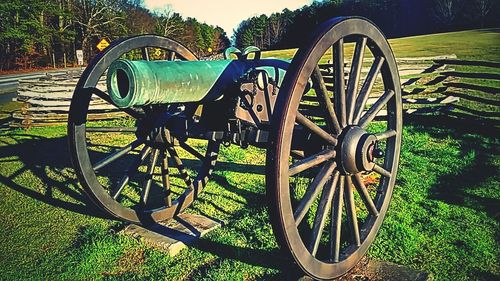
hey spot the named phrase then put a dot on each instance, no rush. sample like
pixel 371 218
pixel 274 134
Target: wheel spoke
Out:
pixel 117 154
pixel 165 178
pixel 105 97
pixel 111 129
pixel 130 171
pixel 171 56
pixel 122 186
pixel 302 120
pixel 338 52
pixel 299 154
pixel 365 195
pixel 351 211
pixel 191 150
pixel 310 161
pixel 145 53
pixel 312 191
pixel 149 179
pixel 180 166
pixel 352 86
pixel 376 107
pixel 336 222
pixel 381 171
pixel 386 135
pixel 324 100
pixel 366 89
pixel 322 214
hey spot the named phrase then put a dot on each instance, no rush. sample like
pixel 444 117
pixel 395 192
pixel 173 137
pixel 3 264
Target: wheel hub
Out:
pixel 356 150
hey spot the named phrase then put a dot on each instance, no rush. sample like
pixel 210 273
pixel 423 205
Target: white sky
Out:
pixel 224 13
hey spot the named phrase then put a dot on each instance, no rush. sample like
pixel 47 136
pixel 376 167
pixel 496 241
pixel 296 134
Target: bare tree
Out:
pixel 168 24
pixel 481 9
pixel 446 11
pixel 276 29
pixel 93 16
pixel 139 20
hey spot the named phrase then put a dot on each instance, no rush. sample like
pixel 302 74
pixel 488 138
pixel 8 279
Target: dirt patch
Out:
pixel 373 270
pixel 129 263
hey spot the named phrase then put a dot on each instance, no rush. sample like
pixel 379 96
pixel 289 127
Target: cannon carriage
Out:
pixel 331 160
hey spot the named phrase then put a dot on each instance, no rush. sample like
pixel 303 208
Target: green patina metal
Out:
pixel 135 83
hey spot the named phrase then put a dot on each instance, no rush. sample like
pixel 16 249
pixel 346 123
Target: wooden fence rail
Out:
pixel 46 100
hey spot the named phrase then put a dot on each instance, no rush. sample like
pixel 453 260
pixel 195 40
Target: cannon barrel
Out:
pixel 135 83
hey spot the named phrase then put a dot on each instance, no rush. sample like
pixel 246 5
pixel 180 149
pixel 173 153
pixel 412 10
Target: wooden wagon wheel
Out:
pixel 146 180
pixel 317 217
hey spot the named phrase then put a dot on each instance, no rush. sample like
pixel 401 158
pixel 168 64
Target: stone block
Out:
pixel 174 235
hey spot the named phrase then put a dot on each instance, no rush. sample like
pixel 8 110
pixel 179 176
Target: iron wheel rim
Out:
pixel 77 131
pixel 281 209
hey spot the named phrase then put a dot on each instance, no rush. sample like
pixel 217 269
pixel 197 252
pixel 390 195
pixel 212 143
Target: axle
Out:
pixel 136 83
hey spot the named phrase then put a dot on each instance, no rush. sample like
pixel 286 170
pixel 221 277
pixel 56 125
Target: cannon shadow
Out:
pixel 48 161
pixel 45 160
pixel 255 203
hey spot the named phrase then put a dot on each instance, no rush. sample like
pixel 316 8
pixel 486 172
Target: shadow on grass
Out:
pixel 263 258
pixel 477 137
pixel 266 258
pixel 456 123
pixel 474 98
pixel 227 249
pixel 46 160
pixel 459 189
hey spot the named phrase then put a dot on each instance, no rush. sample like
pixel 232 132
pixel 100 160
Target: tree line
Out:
pixel 397 18
pixel 39 33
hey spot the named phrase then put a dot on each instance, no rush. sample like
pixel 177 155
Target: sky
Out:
pixel 224 13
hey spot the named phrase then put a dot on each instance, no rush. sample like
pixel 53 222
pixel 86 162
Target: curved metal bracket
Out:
pixel 242 55
pixel 230 51
pixel 249 50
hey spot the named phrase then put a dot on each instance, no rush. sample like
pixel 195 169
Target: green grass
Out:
pixel 474 45
pixel 443 218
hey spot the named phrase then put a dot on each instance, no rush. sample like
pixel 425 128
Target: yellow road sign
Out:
pixel 103 44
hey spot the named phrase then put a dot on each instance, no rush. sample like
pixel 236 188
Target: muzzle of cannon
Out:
pixel 137 83
pixel 330 121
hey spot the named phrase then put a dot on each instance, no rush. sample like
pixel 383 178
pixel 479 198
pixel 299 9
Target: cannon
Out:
pixel 330 120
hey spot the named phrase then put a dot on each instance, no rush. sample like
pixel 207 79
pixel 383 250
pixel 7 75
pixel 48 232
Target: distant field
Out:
pixel 476 44
pixel 443 218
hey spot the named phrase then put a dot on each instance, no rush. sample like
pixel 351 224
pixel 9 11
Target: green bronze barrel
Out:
pixel 135 83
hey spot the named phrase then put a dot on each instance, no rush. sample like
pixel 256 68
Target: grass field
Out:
pixel 444 217
pixel 471 45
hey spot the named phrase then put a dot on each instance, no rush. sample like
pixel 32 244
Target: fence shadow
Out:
pixel 458 189
pixel 457 122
